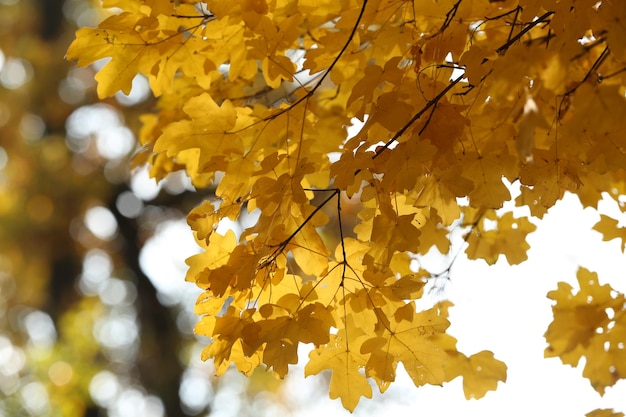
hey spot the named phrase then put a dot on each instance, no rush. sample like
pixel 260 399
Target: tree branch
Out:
pixel 541 19
pixel 417 116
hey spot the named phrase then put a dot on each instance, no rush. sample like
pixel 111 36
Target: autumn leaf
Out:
pixel 208 130
pixel 481 372
pixel 440 192
pixel 391 235
pixel 608 227
pixel 227 342
pixel 406 339
pixel 144 41
pixel 281 333
pixel 507 236
pixel 347 382
pixel 582 326
pixel 205 218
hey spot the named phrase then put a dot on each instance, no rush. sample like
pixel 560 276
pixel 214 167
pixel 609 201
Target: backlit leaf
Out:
pixel 589 323
pixel 347 381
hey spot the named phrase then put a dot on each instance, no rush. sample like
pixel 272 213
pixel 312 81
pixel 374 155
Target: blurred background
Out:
pixel 95 316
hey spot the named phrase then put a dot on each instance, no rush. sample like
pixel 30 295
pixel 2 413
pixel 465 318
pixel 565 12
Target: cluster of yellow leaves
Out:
pixel 591 324
pixel 455 96
pixel 493 235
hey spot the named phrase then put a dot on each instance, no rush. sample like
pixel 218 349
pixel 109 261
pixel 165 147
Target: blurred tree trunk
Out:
pixel 50 18
pixel 160 369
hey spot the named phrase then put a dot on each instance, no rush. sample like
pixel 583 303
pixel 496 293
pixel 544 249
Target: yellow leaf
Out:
pixel 94 44
pixel 363 91
pixel 208 129
pixel 205 218
pixel 351 170
pixel 406 340
pixel 244 364
pixel 276 69
pixel 280 334
pixel 405 165
pixel 582 327
pixel 389 236
pixel 140 42
pixel 576 317
pixel 446 126
pixel 608 227
pixel 218 249
pixel 481 372
pixel 440 190
pixel 346 381
pixel 390 112
pixel 225 331
pixel 408 287
pixel 342 273
pixel 486 171
pixel 477 63
pixel 493 236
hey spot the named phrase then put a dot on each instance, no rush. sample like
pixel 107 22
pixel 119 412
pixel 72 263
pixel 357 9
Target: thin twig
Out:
pixel 417 116
pixel 323 77
pixel 517 10
pixel 285 243
pixel 534 23
pixel 603 55
pixel 449 16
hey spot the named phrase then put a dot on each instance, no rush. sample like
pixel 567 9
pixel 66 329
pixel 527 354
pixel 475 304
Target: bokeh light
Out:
pixel 129 205
pixel 140 91
pixel 40 329
pixel 35 398
pixel 32 127
pixel 163 260
pixel 60 373
pixel 15 73
pixel 101 222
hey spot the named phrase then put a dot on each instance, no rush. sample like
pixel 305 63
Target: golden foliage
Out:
pixel 457 99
